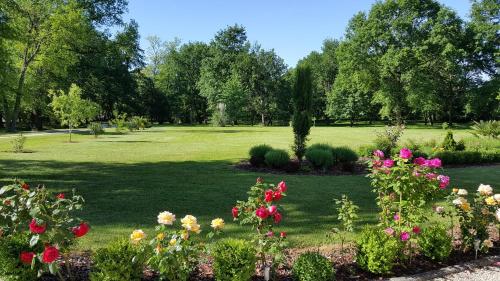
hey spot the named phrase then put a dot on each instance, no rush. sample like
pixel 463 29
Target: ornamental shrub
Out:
pixel 366 150
pixel 313 267
pixel 234 260
pixel 18 143
pixel 435 243
pixel 388 139
pixel 277 158
pixel 343 155
pixel 322 146
pixel 258 154
pixel 319 158
pixel 467 157
pixel 11 267
pixel 96 129
pixel 449 144
pixel 377 251
pixel 302 109
pixel 119 260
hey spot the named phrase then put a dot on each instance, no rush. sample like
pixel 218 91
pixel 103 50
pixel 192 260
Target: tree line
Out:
pixel 401 60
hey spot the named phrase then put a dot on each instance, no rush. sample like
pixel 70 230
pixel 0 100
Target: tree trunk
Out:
pixel 263 119
pixel 70 129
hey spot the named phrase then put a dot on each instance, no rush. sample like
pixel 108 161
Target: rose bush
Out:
pixel 263 212
pixel 403 188
pixel 47 220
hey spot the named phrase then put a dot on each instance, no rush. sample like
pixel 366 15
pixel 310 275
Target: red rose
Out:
pixel 60 196
pixel 36 228
pixel 262 213
pixel 80 230
pixel 283 234
pixel 235 212
pixel 277 195
pixel 277 217
pixel 282 186
pixel 27 257
pixel 50 254
pixel 416 230
pixel 25 186
pixel 269 195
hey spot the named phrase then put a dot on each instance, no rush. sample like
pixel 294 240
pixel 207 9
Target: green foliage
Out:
pixel 11 267
pixel 343 155
pixel 71 109
pixel 18 143
pixel 119 260
pixel 468 157
pixel 277 158
pixel 322 146
pixel 347 214
pixel 435 243
pixel 377 251
pixel 313 266
pixel 489 128
pixel 258 154
pixel 119 121
pixel 302 103
pixel 137 123
pixel 96 129
pixel 366 150
pixel 319 158
pixel 387 139
pixel 234 260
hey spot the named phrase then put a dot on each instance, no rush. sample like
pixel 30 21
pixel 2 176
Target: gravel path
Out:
pixel 485 269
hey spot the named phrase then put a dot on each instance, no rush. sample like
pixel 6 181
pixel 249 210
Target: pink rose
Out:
pixel 388 163
pixel 377 163
pixel 396 217
pixel 270 234
pixel 431 176
pixel 277 195
pixel 405 153
pixel 389 231
pixel 262 213
pixel 404 236
pixel 433 163
pixel 378 153
pixel 282 186
pixel 419 161
pixel 444 181
pixel 272 209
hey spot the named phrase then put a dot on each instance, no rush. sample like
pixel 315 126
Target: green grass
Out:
pixel 128 179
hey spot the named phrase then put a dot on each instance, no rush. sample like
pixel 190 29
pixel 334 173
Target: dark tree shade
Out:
pixel 302 106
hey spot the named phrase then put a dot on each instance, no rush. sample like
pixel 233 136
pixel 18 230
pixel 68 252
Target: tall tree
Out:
pixel 302 103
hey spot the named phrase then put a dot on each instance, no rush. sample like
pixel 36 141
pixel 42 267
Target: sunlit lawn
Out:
pixel 127 179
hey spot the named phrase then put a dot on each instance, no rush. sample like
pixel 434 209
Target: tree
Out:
pixel 71 109
pixel 302 103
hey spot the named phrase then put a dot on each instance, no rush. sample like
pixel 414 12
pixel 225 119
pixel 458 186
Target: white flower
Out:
pixel 485 189
pixel 439 209
pixel 166 218
pixel 459 201
pixel 462 192
pixel 497 197
pixel 498 214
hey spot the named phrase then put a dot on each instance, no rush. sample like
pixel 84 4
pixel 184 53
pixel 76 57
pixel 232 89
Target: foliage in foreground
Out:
pixel 313 267
pixel 234 260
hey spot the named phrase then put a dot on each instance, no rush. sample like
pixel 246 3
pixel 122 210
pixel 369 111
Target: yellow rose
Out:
pixel 188 219
pixel 465 206
pixel 158 249
pixel 490 201
pixel 455 190
pixel 185 235
pixel 166 218
pixel 137 235
pixel 160 236
pixel 172 242
pixel 217 224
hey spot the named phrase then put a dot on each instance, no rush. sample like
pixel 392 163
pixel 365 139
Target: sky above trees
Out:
pixel 293 28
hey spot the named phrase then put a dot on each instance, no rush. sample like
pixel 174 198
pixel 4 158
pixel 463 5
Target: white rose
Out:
pixel 485 189
pixel 498 214
pixel 488 243
pixel 439 209
pixel 459 201
pixel 497 197
pixel 462 192
pixel 166 218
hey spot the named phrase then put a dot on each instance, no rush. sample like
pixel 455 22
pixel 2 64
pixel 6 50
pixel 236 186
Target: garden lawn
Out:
pixel 128 179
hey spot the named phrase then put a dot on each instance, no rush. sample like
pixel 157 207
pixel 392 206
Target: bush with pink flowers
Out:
pixel 42 222
pixel 262 211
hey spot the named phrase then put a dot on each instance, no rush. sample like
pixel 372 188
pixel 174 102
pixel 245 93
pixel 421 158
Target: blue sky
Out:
pixel 293 28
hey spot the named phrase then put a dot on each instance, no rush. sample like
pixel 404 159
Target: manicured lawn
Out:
pixel 127 179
